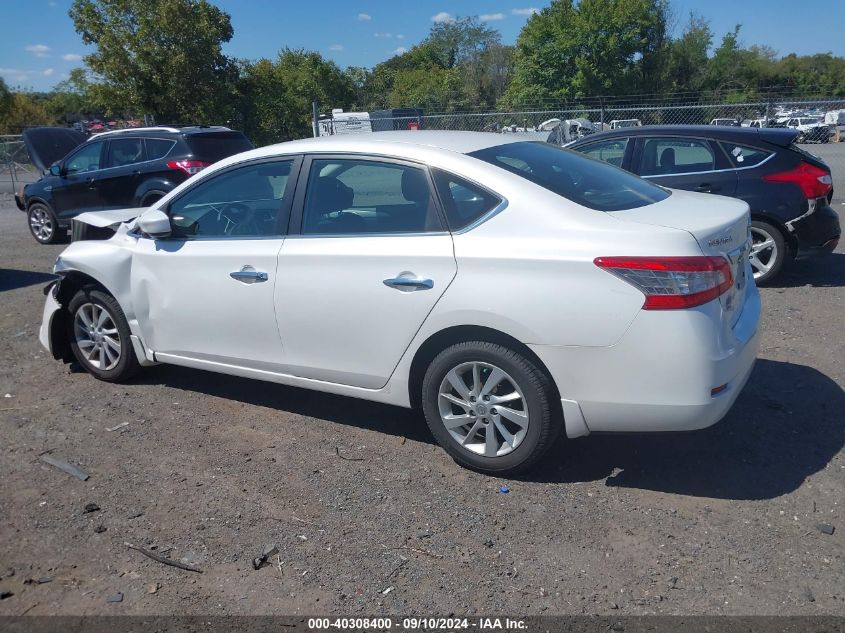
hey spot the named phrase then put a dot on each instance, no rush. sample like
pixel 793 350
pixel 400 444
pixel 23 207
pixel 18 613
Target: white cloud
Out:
pixel 39 50
pixel 48 72
pixel 387 35
pixel 399 36
pixel 52 4
pixel 443 17
pixel 71 57
pixel 14 75
pixel 400 50
pixel 364 17
pixel 527 12
pixel 491 17
pixel 336 47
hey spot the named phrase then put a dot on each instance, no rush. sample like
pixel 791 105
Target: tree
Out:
pixel 688 56
pixel 597 47
pixel 23 112
pixel 276 97
pixel 160 57
pixel 71 99
pixel 5 99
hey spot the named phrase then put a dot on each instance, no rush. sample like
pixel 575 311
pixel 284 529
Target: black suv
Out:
pixel 788 189
pixel 118 169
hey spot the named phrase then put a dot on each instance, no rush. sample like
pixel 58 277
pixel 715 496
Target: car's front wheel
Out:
pixel 489 407
pixel 768 251
pixel 99 336
pixel 43 224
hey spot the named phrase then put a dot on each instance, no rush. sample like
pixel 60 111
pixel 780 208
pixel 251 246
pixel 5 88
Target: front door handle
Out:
pixel 409 283
pixel 248 275
pixel 706 187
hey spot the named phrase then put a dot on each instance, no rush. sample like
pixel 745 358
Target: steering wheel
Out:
pixel 240 219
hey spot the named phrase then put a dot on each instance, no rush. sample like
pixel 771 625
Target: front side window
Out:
pixel 590 183
pixel 86 159
pixel 610 151
pixel 356 196
pixel 667 156
pixel 243 202
pixel 125 151
pixel 463 201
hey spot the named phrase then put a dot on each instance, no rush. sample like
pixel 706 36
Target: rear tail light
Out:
pixel 190 167
pixel 814 181
pixel 672 283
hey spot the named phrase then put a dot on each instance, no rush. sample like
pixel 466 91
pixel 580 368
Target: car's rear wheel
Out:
pixel 768 251
pixel 489 407
pixel 43 224
pixel 151 198
pixel 99 336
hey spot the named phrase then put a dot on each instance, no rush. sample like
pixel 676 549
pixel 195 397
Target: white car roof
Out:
pixel 399 143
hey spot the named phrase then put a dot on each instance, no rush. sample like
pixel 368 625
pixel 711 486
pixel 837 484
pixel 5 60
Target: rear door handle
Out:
pixel 249 275
pixel 409 283
pixel 90 182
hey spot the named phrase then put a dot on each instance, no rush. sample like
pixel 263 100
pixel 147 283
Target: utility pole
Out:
pixel 315 114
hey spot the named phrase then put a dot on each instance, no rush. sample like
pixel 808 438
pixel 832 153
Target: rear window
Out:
pixel 743 156
pixel 590 183
pixel 215 146
pixel 463 201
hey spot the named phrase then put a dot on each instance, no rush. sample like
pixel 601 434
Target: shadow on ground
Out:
pixel 820 272
pixel 785 426
pixel 11 279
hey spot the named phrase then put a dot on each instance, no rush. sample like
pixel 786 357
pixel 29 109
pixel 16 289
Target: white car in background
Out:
pixel 512 289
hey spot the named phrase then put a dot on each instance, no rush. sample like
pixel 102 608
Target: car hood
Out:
pixel 46 145
pixel 104 219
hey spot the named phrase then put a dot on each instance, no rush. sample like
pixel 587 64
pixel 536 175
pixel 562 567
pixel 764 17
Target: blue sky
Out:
pixel 42 47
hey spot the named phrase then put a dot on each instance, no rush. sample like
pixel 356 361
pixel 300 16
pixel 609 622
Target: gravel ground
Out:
pixel 370 517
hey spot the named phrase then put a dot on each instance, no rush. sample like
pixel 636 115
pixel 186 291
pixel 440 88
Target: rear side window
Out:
pixel 125 151
pixel 463 201
pixel 215 146
pixel 158 148
pixel 610 151
pixel 667 156
pixel 743 156
pixel 590 183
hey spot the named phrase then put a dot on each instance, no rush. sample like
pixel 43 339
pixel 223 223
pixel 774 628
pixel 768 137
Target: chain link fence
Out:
pixel 16 168
pixel 820 122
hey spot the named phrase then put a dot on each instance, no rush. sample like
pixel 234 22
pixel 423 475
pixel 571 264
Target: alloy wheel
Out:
pixel 764 252
pixel 483 409
pixel 41 223
pixel 96 336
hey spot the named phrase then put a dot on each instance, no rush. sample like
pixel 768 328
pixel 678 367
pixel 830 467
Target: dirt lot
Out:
pixel 370 517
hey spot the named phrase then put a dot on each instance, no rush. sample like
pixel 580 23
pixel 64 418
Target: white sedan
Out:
pixel 510 288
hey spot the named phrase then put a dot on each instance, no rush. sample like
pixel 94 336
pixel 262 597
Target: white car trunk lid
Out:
pixel 718 224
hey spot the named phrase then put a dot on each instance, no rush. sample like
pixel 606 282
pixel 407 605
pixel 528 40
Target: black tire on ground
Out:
pixel 43 225
pixel 127 364
pixel 760 228
pixel 545 423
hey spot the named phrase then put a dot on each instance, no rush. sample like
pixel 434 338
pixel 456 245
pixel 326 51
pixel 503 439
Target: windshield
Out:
pixel 590 183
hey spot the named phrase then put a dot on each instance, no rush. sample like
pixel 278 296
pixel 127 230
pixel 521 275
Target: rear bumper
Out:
pixel 817 233
pixel 660 376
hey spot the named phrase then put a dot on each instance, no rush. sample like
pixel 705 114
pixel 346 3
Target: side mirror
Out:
pixel 56 169
pixel 155 223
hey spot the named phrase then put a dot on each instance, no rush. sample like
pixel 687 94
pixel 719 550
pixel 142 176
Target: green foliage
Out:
pixel 5 99
pixel 159 56
pixel 275 97
pixel 22 112
pixel 597 47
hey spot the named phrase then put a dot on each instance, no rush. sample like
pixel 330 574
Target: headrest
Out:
pixel 331 195
pixel 667 157
pixel 415 186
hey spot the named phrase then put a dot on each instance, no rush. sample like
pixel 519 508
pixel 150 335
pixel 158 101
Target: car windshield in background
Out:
pixel 588 182
pixel 213 146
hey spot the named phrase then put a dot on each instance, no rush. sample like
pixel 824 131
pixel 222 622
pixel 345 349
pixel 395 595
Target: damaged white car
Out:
pixel 512 289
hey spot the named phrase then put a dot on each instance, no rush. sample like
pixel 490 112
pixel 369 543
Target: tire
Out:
pixel 533 406
pixel 151 198
pixel 111 364
pixel 766 261
pixel 43 224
